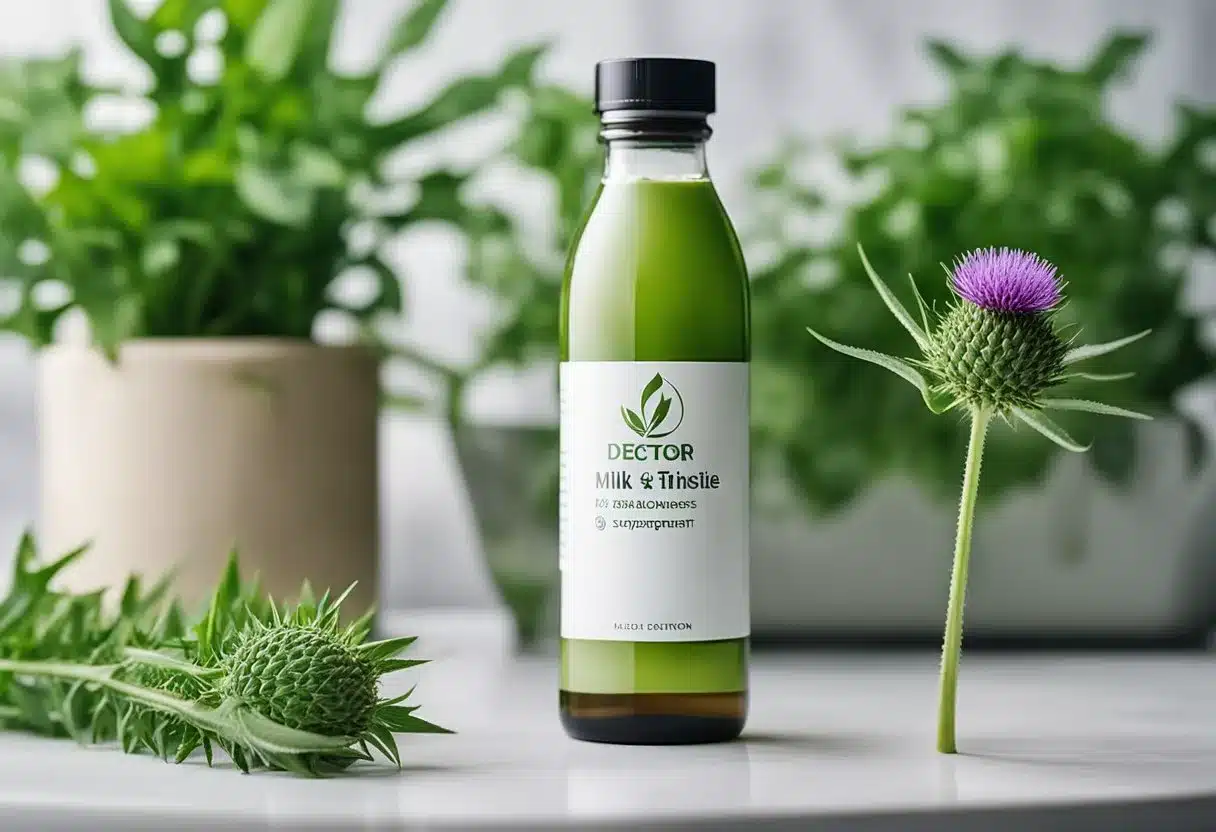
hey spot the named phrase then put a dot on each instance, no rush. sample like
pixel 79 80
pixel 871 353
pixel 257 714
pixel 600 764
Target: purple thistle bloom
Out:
pixel 1007 280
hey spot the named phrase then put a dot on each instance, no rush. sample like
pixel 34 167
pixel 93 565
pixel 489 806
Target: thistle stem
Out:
pixel 952 644
pixel 102 675
pixel 227 722
pixel 99 674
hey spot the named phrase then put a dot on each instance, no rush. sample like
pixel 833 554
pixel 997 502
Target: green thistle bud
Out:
pixel 995 359
pixel 305 678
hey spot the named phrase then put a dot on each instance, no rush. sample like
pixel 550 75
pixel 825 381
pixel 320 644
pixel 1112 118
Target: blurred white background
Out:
pixel 811 66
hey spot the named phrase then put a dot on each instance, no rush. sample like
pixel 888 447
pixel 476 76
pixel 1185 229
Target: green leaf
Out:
pixel 1094 350
pixel 1050 429
pixel 188 744
pixel 375 651
pixel 211 630
pixel 134 32
pixel 316 167
pixel 459 100
pixel 399 699
pixel 207 166
pixel 519 67
pixel 159 257
pixel 650 389
pixel 74 720
pixel 1114 59
pixel 400 720
pixel 393 665
pixel 179 15
pixel 273 196
pixel 25 558
pixel 892 302
pixel 306 597
pixel 329 609
pixel 660 413
pixel 1099 376
pixel 318 37
pixel 946 56
pixel 242 14
pixel 898 366
pixel 633 421
pixel 269 736
pixel 240 759
pixel 167 661
pixel 920 304
pixel 115 325
pixel 413 29
pixel 277 37
pixel 1092 407
pixel 381 737
pixel 389 296
pixel 129 601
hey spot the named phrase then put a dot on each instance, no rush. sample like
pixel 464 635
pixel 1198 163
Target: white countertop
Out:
pixel 835 740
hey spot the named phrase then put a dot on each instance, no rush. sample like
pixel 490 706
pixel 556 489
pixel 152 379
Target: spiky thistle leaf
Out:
pixel 1087 351
pixel 901 368
pixel 1044 425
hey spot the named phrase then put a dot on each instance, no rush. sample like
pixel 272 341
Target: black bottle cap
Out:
pixel 664 84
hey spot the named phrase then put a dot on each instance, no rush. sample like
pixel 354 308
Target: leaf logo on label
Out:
pixel 656 417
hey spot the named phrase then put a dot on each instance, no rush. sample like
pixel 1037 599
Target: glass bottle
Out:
pixel 655 346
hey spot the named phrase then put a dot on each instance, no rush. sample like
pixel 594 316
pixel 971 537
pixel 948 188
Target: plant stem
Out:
pixel 99 674
pixel 952 644
pixel 102 675
pixel 227 722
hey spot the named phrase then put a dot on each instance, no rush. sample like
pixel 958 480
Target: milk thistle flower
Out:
pixel 995 352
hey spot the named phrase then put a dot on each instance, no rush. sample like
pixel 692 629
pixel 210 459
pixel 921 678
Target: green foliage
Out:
pixel 147 676
pixel 518 267
pixel 559 143
pixel 235 209
pixel 1019 154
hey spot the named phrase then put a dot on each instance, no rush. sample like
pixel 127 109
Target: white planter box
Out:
pixel 1074 558
pixel 186 449
pixel 1071 559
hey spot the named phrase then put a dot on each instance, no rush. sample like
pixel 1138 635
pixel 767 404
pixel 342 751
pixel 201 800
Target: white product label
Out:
pixel 654 500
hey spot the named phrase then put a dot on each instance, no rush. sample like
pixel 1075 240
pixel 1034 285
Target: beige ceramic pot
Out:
pixel 188 448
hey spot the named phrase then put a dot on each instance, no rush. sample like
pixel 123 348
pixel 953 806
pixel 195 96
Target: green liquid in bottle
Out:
pixel 654 349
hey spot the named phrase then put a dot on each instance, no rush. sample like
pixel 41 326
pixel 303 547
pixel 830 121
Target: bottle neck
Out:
pixel 665 160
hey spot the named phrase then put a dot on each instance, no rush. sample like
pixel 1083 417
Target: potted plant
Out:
pixel 1019 153
pixel 225 259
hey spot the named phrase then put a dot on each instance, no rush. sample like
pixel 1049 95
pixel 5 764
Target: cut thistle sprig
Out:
pixel 273 686
pixel 997 352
